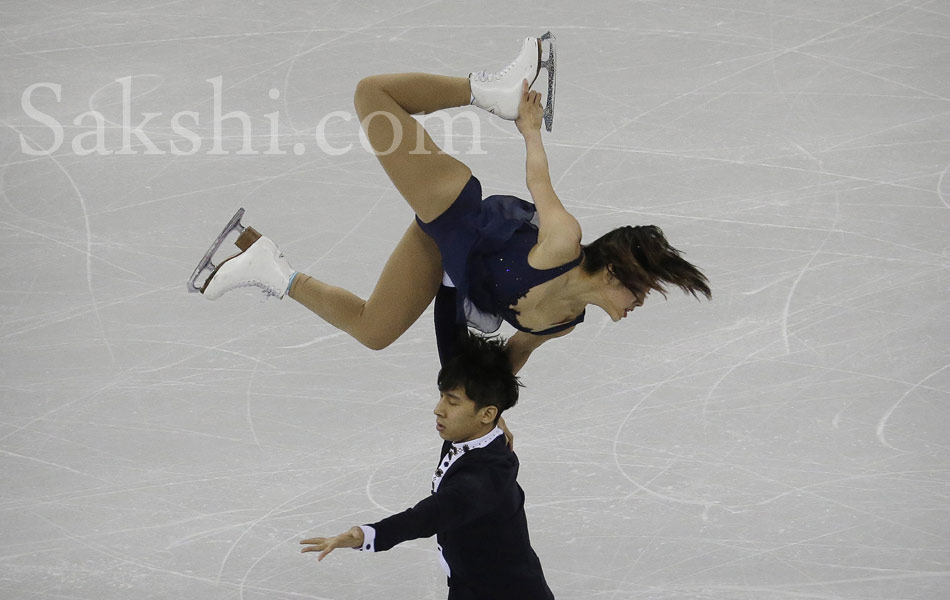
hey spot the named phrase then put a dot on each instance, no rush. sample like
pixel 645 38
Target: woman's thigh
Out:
pixel 406 287
pixel 428 178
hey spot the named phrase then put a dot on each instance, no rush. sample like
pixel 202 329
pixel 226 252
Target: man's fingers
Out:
pixel 316 544
pixel 325 553
pixel 315 547
pixel 312 541
pixel 322 545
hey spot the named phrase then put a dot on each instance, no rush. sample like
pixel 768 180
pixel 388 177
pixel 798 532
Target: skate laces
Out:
pixel 486 77
pixel 489 76
pixel 267 290
pixel 267 286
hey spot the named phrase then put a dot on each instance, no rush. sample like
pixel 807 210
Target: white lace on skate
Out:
pixel 269 291
pixel 488 77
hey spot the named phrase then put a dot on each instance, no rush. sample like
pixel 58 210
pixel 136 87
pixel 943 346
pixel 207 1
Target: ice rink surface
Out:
pixel 787 440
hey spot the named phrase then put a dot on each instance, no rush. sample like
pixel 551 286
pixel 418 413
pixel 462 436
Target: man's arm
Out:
pixel 351 538
pixel 519 347
pixel 447 328
pixel 465 497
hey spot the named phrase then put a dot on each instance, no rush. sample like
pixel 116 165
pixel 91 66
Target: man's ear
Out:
pixel 488 414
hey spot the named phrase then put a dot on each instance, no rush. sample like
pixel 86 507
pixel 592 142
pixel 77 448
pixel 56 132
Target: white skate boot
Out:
pixel 500 93
pixel 260 264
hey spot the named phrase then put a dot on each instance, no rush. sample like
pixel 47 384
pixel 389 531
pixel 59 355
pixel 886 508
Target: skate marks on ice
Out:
pixel 943 197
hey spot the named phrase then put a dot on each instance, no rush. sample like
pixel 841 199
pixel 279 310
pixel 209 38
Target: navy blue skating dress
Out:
pixel 485 246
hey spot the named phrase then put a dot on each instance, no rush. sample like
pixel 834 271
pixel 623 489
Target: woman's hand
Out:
pixel 530 112
pixel 509 437
pixel 353 538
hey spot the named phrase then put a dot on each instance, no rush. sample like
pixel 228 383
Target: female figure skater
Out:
pixel 500 258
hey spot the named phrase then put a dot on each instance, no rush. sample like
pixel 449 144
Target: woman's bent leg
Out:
pixel 427 178
pixel 405 288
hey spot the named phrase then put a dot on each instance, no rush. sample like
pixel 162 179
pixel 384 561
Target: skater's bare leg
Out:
pixel 427 178
pixel 405 288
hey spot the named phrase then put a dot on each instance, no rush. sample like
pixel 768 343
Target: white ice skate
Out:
pixel 500 92
pixel 259 264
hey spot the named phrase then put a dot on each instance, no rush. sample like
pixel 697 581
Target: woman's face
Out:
pixel 621 300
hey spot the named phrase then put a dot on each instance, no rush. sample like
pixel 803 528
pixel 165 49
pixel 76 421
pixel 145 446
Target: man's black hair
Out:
pixel 481 367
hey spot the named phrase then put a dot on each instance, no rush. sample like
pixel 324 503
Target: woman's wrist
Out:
pixel 531 134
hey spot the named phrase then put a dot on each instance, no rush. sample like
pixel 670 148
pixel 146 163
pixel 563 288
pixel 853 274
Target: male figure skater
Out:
pixel 476 507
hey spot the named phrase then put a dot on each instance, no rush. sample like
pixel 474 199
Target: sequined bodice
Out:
pixel 512 277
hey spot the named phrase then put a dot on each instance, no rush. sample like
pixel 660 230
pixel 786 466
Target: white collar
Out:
pixel 478 442
pixel 458 449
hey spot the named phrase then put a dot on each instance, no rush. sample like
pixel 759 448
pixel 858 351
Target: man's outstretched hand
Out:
pixel 352 538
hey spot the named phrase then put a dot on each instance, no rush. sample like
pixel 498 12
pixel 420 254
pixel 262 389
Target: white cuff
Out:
pixel 369 539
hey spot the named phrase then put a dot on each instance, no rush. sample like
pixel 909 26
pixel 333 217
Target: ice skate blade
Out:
pixel 205 264
pixel 550 65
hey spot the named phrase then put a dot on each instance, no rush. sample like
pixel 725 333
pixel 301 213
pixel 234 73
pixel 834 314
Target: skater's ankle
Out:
pixel 290 284
pixel 297 280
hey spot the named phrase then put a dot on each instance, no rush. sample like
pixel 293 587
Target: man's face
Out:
pixel 458 419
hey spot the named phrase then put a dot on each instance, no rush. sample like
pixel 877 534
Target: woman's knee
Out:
pixel 372 331
pixel 376 341
pixel 367 89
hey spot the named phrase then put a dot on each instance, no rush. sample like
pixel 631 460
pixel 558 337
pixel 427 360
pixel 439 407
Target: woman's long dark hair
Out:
pixel 643 260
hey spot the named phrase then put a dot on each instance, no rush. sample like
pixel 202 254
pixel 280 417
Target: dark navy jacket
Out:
pixel 478 516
